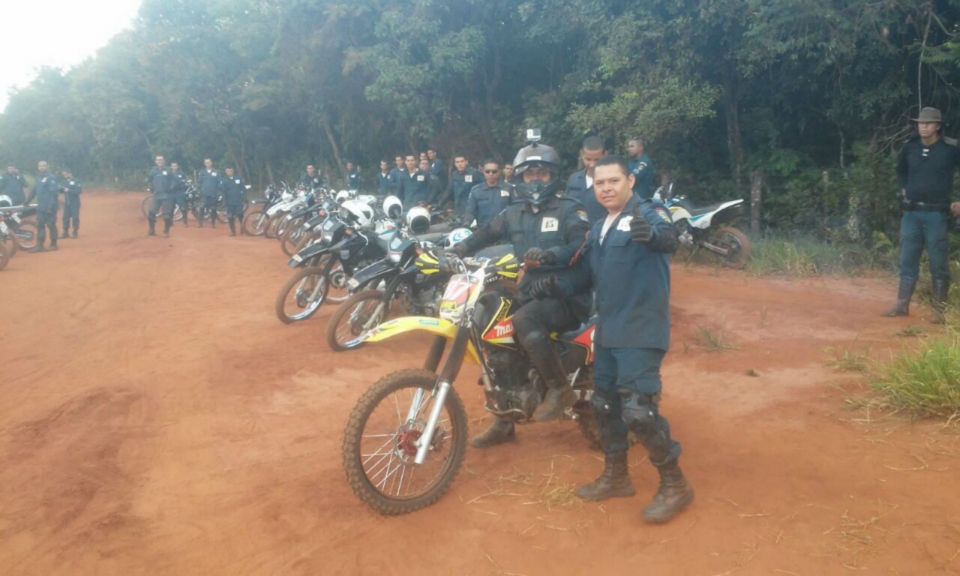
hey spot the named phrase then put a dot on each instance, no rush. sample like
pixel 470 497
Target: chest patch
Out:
pixel 504 193
pixel 468 178
pixel 549 225
pixel 236 181
pixel 164 173
pixel 624 224
pixel 213 173
pixel 420 178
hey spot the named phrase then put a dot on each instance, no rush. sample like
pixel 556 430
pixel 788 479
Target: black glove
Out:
pixel 546 287
pixel 535 257
pixel 458 250
pixel 640 230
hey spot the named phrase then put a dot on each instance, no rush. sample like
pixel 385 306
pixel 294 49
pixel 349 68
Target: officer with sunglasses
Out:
pixel 489 198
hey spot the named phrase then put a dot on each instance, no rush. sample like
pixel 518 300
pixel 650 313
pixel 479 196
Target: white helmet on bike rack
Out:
pixel 393 207
pixel 418 220
pixel 358 213
pixel 456 236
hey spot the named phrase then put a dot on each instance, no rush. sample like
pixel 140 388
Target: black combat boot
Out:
pixel 152 230
pixel 614 482
pixel 671 498
pixel 499 432
pixel 560 394
pixel 941 289
pixel 904 294
pixel 74 234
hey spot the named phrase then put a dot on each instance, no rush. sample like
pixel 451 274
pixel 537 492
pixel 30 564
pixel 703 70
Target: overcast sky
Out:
pixel 35 33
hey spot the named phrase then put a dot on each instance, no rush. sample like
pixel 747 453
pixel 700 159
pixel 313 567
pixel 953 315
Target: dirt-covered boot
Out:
pixel 941 290
pixel 614 482
pixel 560 394
pixel 904 294
pixel 499 432
pixel 671 498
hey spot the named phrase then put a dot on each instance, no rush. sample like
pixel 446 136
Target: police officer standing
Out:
pixel 396 176
pixel 45 191
pixel 507 175
pixel 353 177
pixel 549 231
pixel 414 184
pixel 627 262
pixel 580 183
pixel 209 182
pixel 464 178
pixel 12 184
pixel 71 189
pixel 384 183
pixel 437 169
pixel 434 186
pixel 925 169
pixel 489 198
pixel 311 179
pixel 161 182
pixel 641 167
pixel 233 192
pixel 180 190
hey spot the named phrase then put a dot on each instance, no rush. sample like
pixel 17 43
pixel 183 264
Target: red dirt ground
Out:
pixel 158 419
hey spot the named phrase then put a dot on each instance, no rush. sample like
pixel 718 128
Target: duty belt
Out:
pixel 911 206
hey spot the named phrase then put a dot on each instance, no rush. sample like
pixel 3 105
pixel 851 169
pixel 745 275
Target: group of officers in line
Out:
pixel 46 190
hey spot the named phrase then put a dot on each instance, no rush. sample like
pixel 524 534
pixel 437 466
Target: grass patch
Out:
pixel 847 360
pixel 924 381
pixel 805 256
pixel 713 342
pixel 909 332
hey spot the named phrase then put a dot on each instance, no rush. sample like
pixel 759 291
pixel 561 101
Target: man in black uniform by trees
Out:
pixel 160 182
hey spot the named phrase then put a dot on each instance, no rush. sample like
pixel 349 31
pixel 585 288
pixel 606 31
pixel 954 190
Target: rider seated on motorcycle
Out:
pixel 549 231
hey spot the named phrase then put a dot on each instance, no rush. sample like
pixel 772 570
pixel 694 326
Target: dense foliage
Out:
pixel 815 94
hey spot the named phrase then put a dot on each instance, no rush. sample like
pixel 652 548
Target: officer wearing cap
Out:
pixel 580 183
pixel 641 167
pixel 161 182
pixel 462 181
pixel 548 231
pixel 925 168
pixel 71 189
pixel 626 260
pixel 489 198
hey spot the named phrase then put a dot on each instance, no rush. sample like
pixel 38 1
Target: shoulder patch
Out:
pixel 950 141
pixel 583 215
pixel 663 214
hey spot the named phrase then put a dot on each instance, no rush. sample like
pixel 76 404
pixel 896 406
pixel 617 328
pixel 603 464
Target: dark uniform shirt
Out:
pixel 414 188
pixel 161 181
pixel 311 182
pixel 926 172
pixel 353 180
pixel 436 189
pixel 72 190
pixel 560 226
pixel 487 201
pixel 13 185
pixel 642 169
pixel 179 183
pixel 461 183
pixel 384 184
pixel 437 171
pixel 632 281
pixel 578 190
pixel 233 191
pixel 45 190
pixel 209 182
pixel 396 177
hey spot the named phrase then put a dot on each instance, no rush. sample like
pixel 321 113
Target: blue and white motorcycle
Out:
pixel 704 227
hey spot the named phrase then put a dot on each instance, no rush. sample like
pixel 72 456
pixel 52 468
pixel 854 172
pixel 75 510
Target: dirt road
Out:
pixel 156 418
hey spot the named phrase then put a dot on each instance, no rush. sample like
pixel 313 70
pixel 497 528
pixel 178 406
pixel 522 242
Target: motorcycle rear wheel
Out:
pixel 737 243
pixel 378 444
pixel 26 235
pixel 348 322
pixel 308 288
pixel 255 223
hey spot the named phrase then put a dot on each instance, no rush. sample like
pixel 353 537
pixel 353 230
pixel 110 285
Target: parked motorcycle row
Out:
pixel 17 231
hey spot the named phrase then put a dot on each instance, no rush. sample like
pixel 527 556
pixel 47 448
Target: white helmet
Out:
pixel 393 207
pixel 360 214
pixel 5 201
pixel 418 220
pixel 456 236
pixel 342 196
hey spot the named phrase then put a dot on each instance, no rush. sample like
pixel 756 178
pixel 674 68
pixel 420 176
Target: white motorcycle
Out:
pixel 701 227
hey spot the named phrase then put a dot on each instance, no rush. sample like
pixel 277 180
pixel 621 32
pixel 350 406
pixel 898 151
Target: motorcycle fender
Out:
pixel 437 326
pixel 371 273
pixel 726 212
pixel 303 256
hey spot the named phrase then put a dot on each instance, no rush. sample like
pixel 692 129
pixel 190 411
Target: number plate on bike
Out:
pixel 455 297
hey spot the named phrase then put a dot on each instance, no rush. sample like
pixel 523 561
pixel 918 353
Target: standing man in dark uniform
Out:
pixel 13 184
pixel 437 169
pixel 414 184
pixel 45 191
pixel 641 167
pixel 627 262
pixel 311 180
pixel 233 192
pixel 161 183
pixel 464 178
pixel 489 198
pixel 396 176
pixel 434 186
pixel 180 191
pixel 548 231
pixel 209 182
pixel 71 189
pixel 353 177
pixel 580 183
pixel 384 183
pixel 507 175
pixel 925 169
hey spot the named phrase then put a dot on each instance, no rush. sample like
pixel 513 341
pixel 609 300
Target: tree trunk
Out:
pixel 756 200
pixel 325 122
pixel 734 134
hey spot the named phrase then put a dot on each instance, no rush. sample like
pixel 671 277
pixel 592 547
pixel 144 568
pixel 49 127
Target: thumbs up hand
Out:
pixel 640 230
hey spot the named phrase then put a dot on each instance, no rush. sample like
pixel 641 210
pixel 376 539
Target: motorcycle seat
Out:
pixel 699 211
pixel 573 334
pixel 435 238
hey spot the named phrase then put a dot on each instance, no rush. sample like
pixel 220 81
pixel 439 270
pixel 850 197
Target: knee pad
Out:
pixel 640 413
pixel 601 404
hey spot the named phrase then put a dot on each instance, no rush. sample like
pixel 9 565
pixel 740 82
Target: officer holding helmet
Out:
pixel 549 231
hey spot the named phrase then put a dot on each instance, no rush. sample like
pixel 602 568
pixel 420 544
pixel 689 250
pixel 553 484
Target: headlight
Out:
pixel 395 257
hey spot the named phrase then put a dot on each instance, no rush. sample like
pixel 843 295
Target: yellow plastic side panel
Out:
pixel 437 326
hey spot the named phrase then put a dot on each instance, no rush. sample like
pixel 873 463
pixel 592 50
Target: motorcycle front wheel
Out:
pixel 291 238
pixel 356 315
pixel 255 223
pixel 737 245
pixel 26 235
pixel 379 444
pixel 302 295
pixel 272 224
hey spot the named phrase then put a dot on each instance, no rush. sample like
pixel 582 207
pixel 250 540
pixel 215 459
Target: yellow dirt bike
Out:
pixel 407 435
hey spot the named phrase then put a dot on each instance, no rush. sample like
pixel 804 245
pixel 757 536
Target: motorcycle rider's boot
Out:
pixel 53 247
pixel 614 481
pixel 671 498
pixel 904 294
pixel 941 290
pixel 560 395
pixel 152 230
pixel 74 235
pixel 499 432
pixel 37 248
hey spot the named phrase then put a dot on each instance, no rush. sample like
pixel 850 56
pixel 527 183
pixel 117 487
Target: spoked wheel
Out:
pixel 273 223
pixel 337 291
pixel 255 223
pixel 356 315
pixel 737 246
pixel 287 224
pixel 145 206
pixel 26 235
pixel 10 242
pixel 177 213
pixel 291 238
pixel 302 295
pixel 380 443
